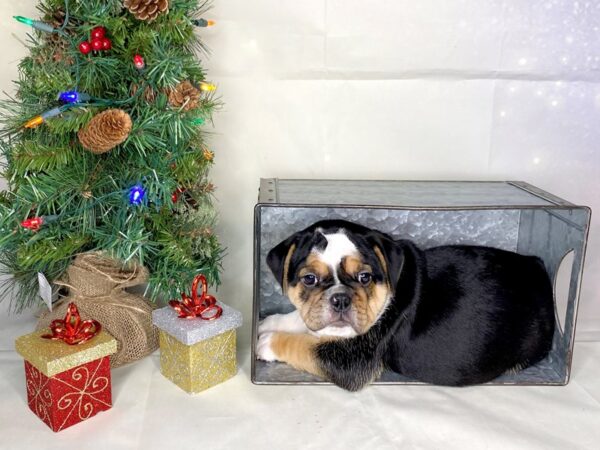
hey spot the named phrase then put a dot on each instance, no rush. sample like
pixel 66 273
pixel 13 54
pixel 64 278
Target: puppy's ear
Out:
pixel 286 256
pixel 278 259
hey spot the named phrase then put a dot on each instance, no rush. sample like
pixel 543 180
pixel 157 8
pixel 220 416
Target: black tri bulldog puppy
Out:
pixel 451 315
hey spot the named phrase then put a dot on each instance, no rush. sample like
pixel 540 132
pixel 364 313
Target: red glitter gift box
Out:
pixel 67 384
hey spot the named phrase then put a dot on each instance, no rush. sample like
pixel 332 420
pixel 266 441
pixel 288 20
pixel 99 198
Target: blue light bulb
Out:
pixel 69 97
pixel 136 194
pixel 72 97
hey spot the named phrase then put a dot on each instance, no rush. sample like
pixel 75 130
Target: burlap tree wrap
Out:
pixel 96 284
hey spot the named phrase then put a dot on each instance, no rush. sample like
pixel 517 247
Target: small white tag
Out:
pixel 45 290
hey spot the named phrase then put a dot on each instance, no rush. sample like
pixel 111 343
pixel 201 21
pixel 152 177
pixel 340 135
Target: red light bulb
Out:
pixel 138 62
pixel 176 193
pixel 33 224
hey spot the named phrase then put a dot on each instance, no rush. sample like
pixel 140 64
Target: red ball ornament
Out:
pixel 97 44
pixel 85 47
pixel 106 44
pixel 138 62
pixel 97 33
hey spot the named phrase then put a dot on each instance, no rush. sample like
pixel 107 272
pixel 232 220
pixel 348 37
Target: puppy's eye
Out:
pixel 364 278
pixel 309 279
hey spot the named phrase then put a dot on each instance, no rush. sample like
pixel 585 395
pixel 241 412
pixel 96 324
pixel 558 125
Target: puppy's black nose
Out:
pixel 340 302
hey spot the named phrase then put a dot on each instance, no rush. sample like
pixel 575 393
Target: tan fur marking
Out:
pixel 286 267
pixel 311 309
pixel 316 266
pixel 368 303
pixel 361 304
pixel 293 294
pixel 380 295
pixel 353 265
pixel 297 350
pixel 383 263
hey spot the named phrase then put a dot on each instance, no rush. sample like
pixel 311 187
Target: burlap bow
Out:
pixel 97 285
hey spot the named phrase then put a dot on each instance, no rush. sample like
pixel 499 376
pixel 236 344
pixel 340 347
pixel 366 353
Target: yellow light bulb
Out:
pixel 207 87
pixel 35 122
pixel 208 155
pixel 210 23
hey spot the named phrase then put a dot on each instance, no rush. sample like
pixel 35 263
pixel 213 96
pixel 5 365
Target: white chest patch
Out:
pixel 338 247
pixel 345 332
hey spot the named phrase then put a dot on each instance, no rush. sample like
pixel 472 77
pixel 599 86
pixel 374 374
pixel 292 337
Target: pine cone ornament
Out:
pixel 185 95
pixel 147 10
pixel 59 48
pixel 56 17
pixel 105 131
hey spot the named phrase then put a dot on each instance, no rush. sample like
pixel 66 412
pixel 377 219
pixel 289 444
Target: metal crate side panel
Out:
pixel 551 234
pixel 427 228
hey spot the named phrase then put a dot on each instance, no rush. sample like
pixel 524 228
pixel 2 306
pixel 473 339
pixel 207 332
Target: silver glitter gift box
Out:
pixel 510 215
pixel 197 354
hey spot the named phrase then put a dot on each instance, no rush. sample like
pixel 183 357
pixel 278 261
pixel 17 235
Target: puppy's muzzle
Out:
pixel 340 302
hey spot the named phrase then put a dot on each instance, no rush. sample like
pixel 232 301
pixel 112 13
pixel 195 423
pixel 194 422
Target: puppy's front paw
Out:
pixel 271 323
pixel 264 348
pixel 288 323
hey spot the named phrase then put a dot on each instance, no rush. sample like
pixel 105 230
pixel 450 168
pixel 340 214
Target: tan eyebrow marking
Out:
pixel 316 266
pixel 353 265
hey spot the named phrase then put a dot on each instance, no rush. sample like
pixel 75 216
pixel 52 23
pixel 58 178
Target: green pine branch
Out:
pixel 49 173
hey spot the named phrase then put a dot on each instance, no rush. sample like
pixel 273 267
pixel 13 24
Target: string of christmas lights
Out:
pixel 72 98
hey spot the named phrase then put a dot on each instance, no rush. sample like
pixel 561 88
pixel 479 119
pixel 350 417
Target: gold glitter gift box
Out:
pixel 67 384
pixel 197 354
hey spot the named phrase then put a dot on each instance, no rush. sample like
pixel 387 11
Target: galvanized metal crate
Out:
pixel 509 215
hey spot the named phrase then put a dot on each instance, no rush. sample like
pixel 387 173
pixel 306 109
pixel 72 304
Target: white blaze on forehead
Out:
pixel 338 247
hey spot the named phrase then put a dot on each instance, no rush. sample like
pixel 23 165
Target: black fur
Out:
pixel 461 315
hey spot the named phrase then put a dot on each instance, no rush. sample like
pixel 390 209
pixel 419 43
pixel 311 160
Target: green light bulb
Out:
pixel 35 24
pixel 198 121
pixel 24 20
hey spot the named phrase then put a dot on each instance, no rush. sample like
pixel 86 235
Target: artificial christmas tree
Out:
pixel 102 137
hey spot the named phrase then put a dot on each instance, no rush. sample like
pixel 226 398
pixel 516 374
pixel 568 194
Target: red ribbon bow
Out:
pixel 72 330
pixel 204 307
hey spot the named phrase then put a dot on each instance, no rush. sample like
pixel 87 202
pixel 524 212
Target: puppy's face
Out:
pixel 336 276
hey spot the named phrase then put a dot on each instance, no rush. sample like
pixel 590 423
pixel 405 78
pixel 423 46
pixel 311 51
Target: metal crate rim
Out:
pixel 522 185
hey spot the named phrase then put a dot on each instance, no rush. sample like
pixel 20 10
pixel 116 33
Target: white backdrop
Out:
pixel 422 89
pixel 406 90
pixel 471 89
